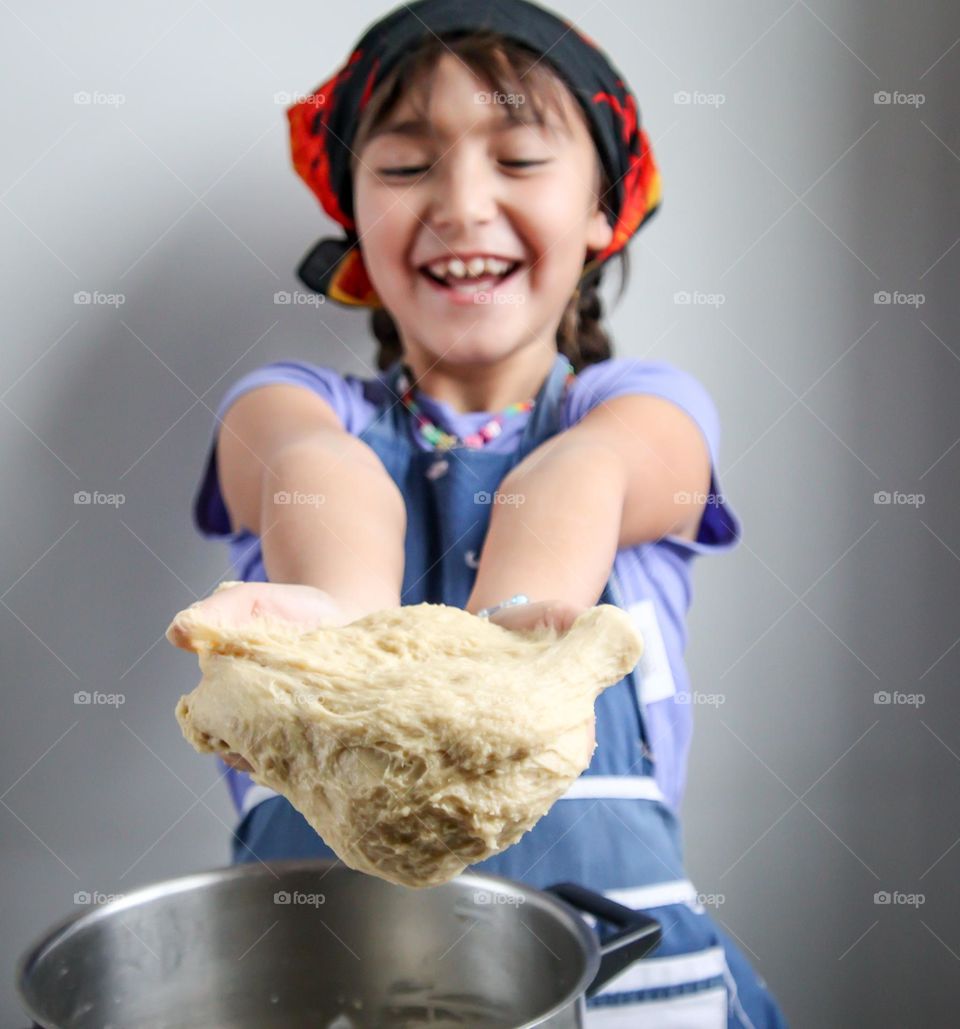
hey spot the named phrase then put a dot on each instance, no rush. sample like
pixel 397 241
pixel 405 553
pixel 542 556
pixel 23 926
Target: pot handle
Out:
pixel 639 933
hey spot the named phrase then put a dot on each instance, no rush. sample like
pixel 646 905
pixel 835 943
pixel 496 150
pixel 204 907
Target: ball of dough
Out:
pixel 416 740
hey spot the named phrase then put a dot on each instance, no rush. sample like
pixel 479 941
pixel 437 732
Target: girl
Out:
pixel 486 160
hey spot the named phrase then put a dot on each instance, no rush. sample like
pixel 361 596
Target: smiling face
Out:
pixel 474 174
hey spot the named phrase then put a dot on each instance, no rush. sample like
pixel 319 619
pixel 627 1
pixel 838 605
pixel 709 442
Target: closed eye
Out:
pixel 419 169
pixel 403 171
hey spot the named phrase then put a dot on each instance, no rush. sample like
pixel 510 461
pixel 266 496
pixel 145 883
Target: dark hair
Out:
pixel 506 67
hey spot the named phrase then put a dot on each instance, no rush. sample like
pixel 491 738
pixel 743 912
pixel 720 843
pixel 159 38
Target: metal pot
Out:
pixel 296 944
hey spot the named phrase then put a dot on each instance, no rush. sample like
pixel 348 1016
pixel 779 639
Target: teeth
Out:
pixel 476 267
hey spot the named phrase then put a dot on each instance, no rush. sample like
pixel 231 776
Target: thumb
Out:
pixel 233 605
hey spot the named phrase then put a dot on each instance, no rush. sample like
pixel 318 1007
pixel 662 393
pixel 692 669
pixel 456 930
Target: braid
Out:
pixel 383 327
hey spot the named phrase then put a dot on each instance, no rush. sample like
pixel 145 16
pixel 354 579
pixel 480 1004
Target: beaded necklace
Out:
pixel 441 440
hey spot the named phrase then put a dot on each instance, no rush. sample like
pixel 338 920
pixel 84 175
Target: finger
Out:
pixel 248 601
pixel 293 602
pixel 238 762
pixel 558 614
pixel 225 606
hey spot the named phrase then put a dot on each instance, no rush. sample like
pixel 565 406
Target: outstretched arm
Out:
pixel 635 469
pixel 326 510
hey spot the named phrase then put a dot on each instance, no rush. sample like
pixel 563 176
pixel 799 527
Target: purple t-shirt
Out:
pixel 655 577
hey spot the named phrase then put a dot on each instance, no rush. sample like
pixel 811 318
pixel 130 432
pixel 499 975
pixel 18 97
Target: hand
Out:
pixel 560 615
pixel 246 601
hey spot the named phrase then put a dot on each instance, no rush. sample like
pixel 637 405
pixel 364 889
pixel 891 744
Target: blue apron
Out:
pixel 612 832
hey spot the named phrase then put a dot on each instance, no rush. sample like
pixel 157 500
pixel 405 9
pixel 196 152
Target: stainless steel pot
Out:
pixel 297 944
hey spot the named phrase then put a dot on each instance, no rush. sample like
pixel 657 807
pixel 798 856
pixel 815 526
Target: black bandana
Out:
pixel 323 125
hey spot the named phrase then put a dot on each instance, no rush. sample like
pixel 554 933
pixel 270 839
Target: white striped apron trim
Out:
pixel 614 787
pixel 651 973
pixel 677 891
pixel 644 898
pixel 255 795
pixel 587 787
pixel 705 1009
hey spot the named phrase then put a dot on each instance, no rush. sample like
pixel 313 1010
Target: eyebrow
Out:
pixel 422 128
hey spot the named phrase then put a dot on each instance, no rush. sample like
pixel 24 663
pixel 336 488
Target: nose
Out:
pixel 465 193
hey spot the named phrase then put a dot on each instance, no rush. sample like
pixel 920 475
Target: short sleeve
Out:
pixel 720 528
pixel 343 393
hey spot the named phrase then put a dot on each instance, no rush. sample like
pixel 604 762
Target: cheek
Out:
pixel 556 225
pixel 383 225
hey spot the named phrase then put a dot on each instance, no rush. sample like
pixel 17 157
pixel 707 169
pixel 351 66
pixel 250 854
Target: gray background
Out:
pixel 797 199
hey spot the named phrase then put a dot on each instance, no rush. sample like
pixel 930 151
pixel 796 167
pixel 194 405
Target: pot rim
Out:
pixel 72 924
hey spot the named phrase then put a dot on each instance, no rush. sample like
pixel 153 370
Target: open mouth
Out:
pixel 468 285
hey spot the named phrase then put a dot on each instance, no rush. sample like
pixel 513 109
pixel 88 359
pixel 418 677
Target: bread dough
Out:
pixel 416 740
